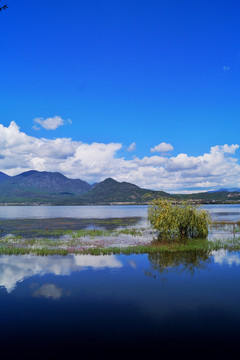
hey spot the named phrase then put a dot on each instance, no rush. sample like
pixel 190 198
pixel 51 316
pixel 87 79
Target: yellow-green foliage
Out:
pixel 178 221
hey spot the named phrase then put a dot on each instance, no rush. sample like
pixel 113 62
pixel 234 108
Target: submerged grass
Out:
pixel 75 233
pixel 186 246
pixel 92 241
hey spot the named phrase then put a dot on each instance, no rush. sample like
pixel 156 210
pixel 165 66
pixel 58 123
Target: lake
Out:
pixel 132 305
pixel 25 219
pixel 107 306
pixel 218 212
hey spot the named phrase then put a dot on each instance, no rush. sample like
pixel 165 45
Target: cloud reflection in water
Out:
pixel 49 291
pixel 14 269
pixel 224 257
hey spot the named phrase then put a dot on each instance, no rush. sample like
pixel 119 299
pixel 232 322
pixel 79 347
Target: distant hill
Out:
pixel 56 189
pixel 213 197
pixel 225 190
pixel 41 186
pixel 3 177
pixel 111 190
pixel 53 182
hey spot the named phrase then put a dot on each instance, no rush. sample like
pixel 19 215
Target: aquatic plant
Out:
pixel 188 245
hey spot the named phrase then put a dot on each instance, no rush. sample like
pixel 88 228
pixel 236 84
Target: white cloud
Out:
pixel 35 127
pixel 163 147
pixel 228 149
pixel 94 162
pixel 132 147
pixel 226 68
pixel 51 123
pixel 182 162
pixel 152 160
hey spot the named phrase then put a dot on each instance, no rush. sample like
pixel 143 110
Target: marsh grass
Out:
pixel 74 233
pixel 61 241
pixel 90 241
pixel 191 246
pixel 56 227
pixel 132 232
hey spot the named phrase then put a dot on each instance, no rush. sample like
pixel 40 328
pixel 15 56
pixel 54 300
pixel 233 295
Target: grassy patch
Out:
pixel 153 248
pixel 59 226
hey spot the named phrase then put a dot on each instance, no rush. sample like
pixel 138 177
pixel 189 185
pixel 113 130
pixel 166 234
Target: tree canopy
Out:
pixel 178 220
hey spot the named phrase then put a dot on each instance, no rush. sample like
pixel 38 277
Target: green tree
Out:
pixel 178 220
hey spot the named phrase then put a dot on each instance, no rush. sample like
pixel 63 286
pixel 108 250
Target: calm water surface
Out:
pixel 218 212
pixel 125 305
pixel 80 212
pixel 107 306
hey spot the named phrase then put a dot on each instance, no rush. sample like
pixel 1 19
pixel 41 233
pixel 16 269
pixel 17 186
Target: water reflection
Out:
pixel 222 257
pixel 47 227
pixel 77 212
pixel 189 261
pixel 14 269
pixel 228 212
pixel 49 291
pixel 219 211
pixel 111 308
pixel 181 261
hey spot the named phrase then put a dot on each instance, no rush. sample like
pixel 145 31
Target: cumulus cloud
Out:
pixel 51 123
pixel 96 161
pixel 226 68
pixel 163 147
pixel 182 162
pixel 20 152
pixel 151 160
pixel 132 147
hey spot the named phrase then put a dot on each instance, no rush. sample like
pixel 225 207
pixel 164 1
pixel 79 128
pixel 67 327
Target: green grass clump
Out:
pixel 132 232
pixel 196 245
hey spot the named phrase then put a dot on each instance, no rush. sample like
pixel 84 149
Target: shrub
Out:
pixel 178 221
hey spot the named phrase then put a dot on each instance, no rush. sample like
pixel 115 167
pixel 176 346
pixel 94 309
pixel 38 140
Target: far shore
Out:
pixel 193 202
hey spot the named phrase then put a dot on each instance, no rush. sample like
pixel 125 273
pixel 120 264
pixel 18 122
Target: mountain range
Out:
pixel 56 189
pixel 226 189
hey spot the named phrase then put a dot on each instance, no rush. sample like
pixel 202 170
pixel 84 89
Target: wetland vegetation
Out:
pixel 178 221
pixel 115 235
pixel 126 240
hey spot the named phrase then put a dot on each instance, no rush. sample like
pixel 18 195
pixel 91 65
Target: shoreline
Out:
pixel 126 241
pixel 193 202
pixel 208 247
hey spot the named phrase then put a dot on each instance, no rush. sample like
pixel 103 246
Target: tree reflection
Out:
pixel 178 261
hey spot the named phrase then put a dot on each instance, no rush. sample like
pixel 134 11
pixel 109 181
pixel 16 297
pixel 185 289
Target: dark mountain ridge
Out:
pixel 110 190
pixel 50 182
pixel 56 189
pixel 225 190
pixel 41 186
pixel 3 177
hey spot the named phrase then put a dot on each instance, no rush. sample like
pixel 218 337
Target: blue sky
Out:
pixel 123 72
